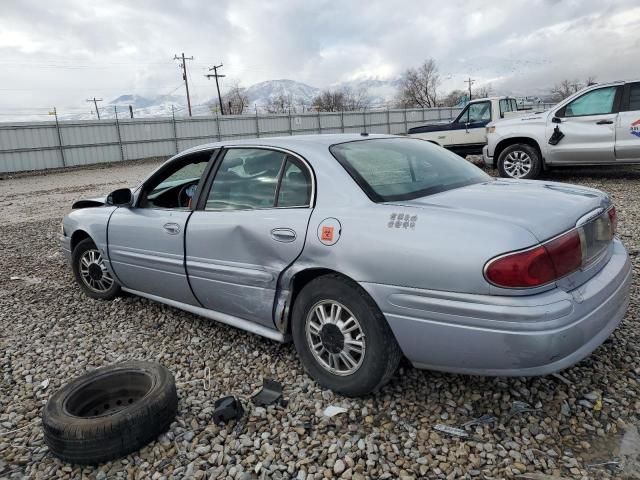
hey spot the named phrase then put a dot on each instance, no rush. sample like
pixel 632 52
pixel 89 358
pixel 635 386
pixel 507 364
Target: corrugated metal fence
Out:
pixel 42 145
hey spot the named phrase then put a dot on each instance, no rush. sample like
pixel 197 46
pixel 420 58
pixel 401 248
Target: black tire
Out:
pixel 381 354
pixel 140 401
pixel 83 248
pixel 524 150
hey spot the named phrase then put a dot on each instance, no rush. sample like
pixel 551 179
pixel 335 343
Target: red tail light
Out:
pixel 556 258
pixel 539 265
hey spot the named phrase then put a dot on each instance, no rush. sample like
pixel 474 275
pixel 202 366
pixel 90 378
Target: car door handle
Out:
pixel 171 228
pixel 283 235
pixel 604 122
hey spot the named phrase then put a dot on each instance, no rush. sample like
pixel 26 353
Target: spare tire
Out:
pixel 110 412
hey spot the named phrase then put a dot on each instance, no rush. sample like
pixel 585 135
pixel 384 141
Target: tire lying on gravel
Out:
pixel 110 412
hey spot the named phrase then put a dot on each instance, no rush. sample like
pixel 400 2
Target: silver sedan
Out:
pixel 363 249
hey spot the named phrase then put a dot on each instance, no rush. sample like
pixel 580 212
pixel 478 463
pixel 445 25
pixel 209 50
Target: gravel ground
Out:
pixel 51 333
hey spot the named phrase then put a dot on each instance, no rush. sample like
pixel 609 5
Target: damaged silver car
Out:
pixel 363 249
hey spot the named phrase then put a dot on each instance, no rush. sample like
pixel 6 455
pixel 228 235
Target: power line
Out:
pixel 95 102
pixel 184 76
pixel 216 75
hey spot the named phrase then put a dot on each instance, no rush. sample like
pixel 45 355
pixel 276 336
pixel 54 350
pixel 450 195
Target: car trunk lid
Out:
pixel 546 209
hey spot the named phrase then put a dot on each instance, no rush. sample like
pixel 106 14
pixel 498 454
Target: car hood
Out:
pixel 546 209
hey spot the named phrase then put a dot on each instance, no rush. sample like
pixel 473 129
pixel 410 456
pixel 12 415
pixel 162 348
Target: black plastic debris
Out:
pixel 227 408
pixel 270 393
pixel 556 136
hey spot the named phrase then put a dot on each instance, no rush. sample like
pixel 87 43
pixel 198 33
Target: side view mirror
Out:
pixel 123 197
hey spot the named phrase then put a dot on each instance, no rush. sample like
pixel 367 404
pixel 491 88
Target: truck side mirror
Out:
pixel 123 197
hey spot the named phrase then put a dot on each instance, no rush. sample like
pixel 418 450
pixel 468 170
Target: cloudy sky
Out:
pixel 62 52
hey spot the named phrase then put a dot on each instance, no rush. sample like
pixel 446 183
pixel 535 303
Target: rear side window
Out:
pixel 247 179
pixel 634 96
pixel 595 102
pixel 390 169
pixel 295 187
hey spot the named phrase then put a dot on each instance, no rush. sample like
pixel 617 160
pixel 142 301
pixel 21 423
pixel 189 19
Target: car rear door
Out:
pixel 146 240
pixel 628 125
pixel 249 225
pixel 589 127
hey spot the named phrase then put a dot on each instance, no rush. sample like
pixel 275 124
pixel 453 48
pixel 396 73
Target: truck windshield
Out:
pixel 391 169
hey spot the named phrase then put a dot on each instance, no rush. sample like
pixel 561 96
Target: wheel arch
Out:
pixel 507 142
pixel 78 236
pixel 297 282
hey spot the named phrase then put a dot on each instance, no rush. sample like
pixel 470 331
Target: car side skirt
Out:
pixel 217 316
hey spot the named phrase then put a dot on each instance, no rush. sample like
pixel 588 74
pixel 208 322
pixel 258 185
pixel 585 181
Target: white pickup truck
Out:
pixel 599 125
pixel 466 135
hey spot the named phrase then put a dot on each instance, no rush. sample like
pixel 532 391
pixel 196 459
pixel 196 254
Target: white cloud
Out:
pixel 59 53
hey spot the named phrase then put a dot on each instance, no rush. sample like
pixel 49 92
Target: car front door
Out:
pixel 475 118
pixel 628 125
pixel 589 127
pixel 146 240
pixel 250 224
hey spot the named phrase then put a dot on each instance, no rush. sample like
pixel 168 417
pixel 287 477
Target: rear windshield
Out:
pixel 390 169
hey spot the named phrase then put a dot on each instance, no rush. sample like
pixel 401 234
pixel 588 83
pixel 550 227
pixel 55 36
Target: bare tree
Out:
pixel 342 100
pixel 482 92
pixel 419 86
pixel 567 88
pixel 234 101
pixel 281 104
pixel 454 98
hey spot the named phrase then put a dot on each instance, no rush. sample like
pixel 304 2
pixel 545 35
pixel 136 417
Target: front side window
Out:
pixel 476 112
pixel 393 169
pixel 247 179
pixel 176 186
pixel 595 102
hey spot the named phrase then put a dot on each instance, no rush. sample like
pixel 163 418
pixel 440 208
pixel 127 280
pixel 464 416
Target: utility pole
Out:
pixel 184 76
pixel 470 82
pixel 95 102
pixel 216 75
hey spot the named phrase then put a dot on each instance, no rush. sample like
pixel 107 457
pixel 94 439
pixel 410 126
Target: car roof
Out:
pixel 290 142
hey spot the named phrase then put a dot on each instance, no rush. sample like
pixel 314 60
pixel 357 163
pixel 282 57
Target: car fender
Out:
pixel 93 221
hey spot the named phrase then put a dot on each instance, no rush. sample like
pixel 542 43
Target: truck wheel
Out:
pixel 91 273
pixel 342 338
pixel 109 412
pixel 519 161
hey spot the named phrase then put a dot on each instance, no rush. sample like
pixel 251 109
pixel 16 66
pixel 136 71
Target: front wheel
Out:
pixel 91 272
pixel 342 338
pixel 519 161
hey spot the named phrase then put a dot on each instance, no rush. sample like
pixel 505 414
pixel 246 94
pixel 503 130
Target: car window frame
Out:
pixel 561 113
pixel 468 107
pixel 142 189
pixel 281 177
pixel 202 199
pixel 626 97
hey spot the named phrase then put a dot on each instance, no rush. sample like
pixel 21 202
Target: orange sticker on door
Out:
pixel 327 234
pixel 329 231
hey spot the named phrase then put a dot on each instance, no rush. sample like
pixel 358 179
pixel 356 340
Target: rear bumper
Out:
pixel 507 336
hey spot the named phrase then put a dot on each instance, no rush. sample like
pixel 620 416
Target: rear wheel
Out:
pixel 91 272
pixel 519 161
pixel 342 338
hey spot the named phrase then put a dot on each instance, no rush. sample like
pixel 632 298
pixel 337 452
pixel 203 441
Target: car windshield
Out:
pixel 390 169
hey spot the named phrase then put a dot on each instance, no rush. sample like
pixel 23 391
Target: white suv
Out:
pixel 599 125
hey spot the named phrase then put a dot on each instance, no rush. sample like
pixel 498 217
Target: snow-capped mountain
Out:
pixel 260 94
pixel 264 93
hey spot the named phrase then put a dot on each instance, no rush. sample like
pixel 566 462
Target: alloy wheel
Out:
pixel 517 164
pixel 335 337
pixel 94 272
